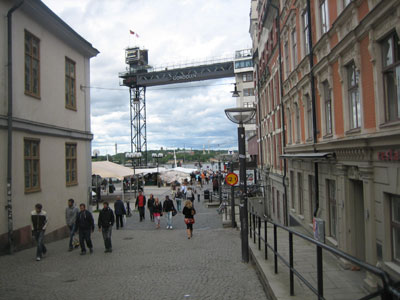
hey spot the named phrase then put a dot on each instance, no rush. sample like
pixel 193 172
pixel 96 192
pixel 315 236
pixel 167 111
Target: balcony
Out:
pixel 269 13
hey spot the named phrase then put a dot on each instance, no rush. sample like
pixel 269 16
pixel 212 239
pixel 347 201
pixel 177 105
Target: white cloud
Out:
pixel 173 31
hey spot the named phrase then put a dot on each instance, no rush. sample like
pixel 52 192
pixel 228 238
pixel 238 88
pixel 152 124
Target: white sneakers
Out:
pixel 169 227
pixel 37 258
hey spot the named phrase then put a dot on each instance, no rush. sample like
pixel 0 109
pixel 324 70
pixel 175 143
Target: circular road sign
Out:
pixel 231 179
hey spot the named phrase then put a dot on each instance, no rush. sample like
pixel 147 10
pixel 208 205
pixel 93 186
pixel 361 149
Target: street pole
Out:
pixel 219 182
pixel 232 200
pixel 244 217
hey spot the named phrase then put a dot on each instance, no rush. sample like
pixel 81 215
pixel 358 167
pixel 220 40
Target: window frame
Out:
pixel 324 16
pixel 354 90
pixel 31 60
pixel 386 69
pixel 309 117
pixel 68 87
pixel 68 171
pixel 31 159
pixel 248 92
pixel 328 112
pixel 245 77
pixel 300 193
pixel 298 123
pixel 294 47
pixel 393 225
pixel 306 41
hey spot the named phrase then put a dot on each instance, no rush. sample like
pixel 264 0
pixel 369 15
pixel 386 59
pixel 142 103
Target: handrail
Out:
pixel 385 292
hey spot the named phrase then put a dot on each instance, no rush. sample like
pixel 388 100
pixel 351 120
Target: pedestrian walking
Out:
pixel 169 209
pixel 85 225
pixel 189 212
pixel 183 190
pixel 71 212
pixel 150 207
pixel 190 195
pixel 157 212
pixel 178 199
pixel 39 223
pixel 141 204
pixel 120 211
pixel 105 224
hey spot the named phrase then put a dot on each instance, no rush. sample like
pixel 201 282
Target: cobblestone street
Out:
pixel 145 264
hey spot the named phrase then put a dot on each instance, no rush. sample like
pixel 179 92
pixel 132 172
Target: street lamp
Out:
pixel 242 115
pixel 132 156
pixel 157 156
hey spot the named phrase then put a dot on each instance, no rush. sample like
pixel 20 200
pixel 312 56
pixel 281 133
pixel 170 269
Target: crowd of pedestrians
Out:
pixel 81 220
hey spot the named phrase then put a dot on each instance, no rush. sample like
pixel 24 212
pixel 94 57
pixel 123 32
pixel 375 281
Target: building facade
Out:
pixel 339 63
pixel 50 119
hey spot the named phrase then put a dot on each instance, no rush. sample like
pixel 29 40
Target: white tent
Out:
pixel 107 169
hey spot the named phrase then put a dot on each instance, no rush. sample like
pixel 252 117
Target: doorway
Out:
pixel 359 219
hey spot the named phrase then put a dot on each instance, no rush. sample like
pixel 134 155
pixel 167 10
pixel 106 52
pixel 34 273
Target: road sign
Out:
pixel 231 179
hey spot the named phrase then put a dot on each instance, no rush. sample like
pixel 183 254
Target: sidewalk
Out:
pixel 145 264
pixel 338 283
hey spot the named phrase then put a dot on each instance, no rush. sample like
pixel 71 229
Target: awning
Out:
pixel 107 169
pixel 309 155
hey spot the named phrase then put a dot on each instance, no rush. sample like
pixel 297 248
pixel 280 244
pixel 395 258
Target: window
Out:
pixel 244 64
pixel 289 125
pixel 305 33
pixel 309 117
pixel 391 76
pixel 311 191
pixel 248 92
pixel 323 8
pixel 328 108
pixel 354 96
pixel 31 165
pixel 294 48
pixel 32 65
pixel 395 227
pixel 248 104
pixel 278 205
pixel 247 77
pixel 286 49
pixel 71 164
pixel 331 193
pixel 300 193
pixel 297 125
pixel 70 92
pixel 273 201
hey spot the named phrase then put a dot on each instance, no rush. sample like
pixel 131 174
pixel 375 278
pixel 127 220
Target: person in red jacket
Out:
pixel 141 204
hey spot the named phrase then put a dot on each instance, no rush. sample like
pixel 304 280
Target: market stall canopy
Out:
pixel 107 169
pixel 184 170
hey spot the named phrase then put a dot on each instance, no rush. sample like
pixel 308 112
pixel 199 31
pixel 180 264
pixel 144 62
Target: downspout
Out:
pixel 282 113
pixel 313 102
pixel 9 128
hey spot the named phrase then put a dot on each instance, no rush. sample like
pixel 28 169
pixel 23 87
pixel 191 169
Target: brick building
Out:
pixel 329 71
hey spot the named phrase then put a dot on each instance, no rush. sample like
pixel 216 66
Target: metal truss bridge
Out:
pixel 140 75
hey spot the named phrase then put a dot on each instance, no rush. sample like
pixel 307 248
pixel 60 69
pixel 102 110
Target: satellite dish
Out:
pixel 96 152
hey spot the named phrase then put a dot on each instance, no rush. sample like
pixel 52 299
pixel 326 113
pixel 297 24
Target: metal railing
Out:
pixel 387 290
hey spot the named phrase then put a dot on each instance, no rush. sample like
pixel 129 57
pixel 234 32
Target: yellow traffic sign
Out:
pixel 231 179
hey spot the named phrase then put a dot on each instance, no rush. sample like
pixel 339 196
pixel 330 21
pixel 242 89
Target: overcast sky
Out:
pixel 185 115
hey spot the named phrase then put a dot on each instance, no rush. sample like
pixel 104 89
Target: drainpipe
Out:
pixel 282 113
pixel 9 129
pixel 314 111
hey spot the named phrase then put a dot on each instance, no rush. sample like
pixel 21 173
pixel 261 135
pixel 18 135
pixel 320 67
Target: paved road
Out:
pixel 145 264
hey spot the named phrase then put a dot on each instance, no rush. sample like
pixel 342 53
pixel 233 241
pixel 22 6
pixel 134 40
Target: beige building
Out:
pixel 50 115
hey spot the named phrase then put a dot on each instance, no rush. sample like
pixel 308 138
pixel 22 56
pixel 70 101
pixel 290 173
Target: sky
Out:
pixel 187 115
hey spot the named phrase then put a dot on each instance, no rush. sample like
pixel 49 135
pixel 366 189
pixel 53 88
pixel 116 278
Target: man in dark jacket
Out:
pixel 141 204
pixel 105 223
pixel 39 223
pixel 85 225
pixel 120 211
pixel 150 206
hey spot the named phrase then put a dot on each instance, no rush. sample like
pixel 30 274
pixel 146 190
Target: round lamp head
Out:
pixel 240 115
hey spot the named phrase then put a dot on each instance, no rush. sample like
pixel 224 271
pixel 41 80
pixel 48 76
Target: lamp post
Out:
pixel 157 156
pixel 240 116
pixel 132 156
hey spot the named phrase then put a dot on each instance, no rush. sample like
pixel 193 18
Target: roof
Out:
pixel 43 15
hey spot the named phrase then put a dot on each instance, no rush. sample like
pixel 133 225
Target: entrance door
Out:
pixel 359 220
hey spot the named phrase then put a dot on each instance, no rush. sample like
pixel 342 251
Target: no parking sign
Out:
pixel 231 179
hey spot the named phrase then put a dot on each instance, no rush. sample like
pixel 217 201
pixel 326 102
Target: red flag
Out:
pixel 132 32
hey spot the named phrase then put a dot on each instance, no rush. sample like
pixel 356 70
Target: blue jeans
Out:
pixel 71 235
pixel 107 237
pixel 40 249
pixel 169 218
pixel 178 204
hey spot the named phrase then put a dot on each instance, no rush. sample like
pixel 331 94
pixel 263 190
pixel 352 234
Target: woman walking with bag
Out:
pixel 189 212
pixel 157 212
